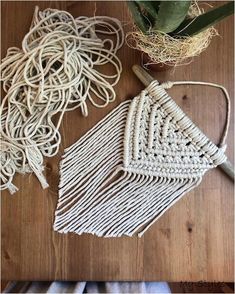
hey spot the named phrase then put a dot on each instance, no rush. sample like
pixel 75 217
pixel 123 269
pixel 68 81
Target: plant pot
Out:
pixel 155 66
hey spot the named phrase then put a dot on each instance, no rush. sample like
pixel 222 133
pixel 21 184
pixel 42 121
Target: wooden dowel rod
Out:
pixel 142 75
pixel 228 168
pixel 146 79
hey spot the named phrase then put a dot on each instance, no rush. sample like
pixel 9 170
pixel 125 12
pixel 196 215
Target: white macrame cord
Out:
pixel 58 69
pixel 121 176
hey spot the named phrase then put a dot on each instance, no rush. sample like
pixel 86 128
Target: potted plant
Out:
pixel 171 33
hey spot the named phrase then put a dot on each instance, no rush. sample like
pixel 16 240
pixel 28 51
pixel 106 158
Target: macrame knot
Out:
pixel 223 148
pixel 167 85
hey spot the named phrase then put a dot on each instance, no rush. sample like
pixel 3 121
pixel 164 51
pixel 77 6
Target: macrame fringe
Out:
pixel 96 155
pixel 103 198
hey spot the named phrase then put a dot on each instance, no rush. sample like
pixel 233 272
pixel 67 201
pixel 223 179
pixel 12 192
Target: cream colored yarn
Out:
pixel 59 68
pixel 121 176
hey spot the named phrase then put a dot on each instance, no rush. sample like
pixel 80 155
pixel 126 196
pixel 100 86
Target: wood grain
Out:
pixel 193 240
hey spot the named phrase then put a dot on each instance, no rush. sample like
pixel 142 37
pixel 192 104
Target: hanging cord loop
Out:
pixel 222 143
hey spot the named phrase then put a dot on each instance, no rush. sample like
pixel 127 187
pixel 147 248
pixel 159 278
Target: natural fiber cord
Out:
pixel 58 69
pixel 121 176
pixel 173 51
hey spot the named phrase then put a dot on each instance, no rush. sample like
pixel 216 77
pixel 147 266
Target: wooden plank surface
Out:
pixel 193 240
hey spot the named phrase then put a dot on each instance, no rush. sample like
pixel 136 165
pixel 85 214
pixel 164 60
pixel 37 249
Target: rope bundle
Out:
pixel 57 70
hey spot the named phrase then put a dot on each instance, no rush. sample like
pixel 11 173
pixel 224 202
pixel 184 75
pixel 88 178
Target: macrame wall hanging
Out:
pixel 121 176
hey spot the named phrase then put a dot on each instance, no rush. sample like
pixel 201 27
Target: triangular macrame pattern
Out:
pixel 121 176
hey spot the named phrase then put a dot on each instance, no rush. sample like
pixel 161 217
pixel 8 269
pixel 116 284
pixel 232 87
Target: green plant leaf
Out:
pixel 137 16
pixel 170 15
pixel 196 25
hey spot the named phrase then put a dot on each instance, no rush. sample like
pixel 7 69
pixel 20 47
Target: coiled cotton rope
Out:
pixel 57 70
